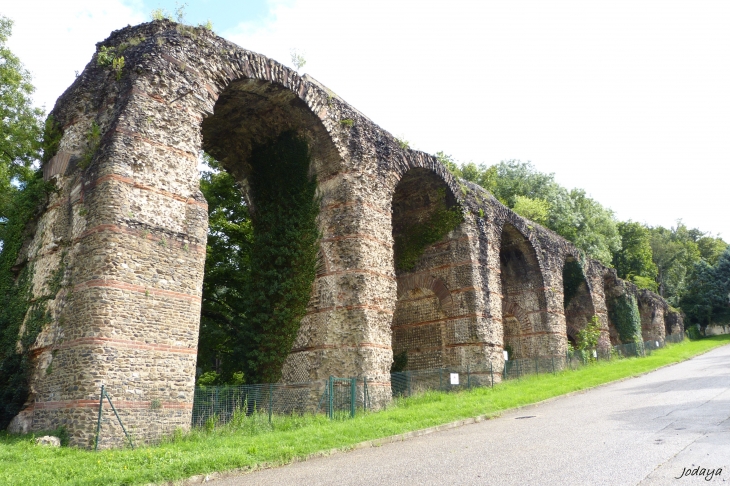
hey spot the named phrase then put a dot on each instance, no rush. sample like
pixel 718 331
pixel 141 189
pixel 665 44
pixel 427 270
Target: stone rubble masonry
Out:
pixel 128 230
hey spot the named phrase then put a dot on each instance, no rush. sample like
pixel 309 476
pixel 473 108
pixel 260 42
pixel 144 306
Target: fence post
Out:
pixel 537 366
pixel 98 422
pixel 353 396
pixel 552 363
pixel 330 401
pixel 271 400
pixel 491 373
pixel 468 377
pixel 441 378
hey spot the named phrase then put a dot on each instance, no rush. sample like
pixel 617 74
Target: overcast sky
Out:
pixel 627 100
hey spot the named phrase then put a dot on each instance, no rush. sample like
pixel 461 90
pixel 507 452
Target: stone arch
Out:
pixel 577 298
pixel 444 318
pixel 421 325
pixel 524 304
pixel 427 282
pixel 135 224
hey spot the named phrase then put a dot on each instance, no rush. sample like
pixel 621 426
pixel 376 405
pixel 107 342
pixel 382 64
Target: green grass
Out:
pixel 252 443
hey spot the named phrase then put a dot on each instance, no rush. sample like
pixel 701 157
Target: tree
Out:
pixel 535 195
pixel 20 123
pixel 707 299
pixel 536 210
pixel 227 270
pixel 711 248
pixel 634 260
pixel 675 254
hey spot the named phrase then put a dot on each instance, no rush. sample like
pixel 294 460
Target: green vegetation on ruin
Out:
pixel 252 443
pixel 416 237
pixel 623 310
pixel 260 264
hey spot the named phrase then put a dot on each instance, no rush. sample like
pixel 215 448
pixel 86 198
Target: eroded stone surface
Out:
pixel 128 231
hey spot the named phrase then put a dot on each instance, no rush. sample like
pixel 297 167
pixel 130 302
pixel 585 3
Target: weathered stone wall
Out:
pixel 652 309
pixel 127 230
pixel 674 322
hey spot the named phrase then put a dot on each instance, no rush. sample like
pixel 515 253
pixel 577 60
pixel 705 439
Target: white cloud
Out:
pixel 54 39
pixel 628 100
pixel 625 99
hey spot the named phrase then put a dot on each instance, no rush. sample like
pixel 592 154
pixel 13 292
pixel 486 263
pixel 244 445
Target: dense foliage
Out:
pixel 22 194
pixel 283 254
pixel 227 270
pixel 708 298
pixel 623 311
pixel 676 262
pixel 634 260
pixel 20 126
pixel 260 264
pixel 536 196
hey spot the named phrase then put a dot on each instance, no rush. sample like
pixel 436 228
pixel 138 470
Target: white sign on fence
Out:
pixel 454 378
pixel 506 355
pixel 595 354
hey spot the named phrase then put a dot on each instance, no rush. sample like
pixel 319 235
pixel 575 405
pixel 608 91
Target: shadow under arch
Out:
pixel 524 306
pixel 251 112
pixel 422 328
pixel 577 301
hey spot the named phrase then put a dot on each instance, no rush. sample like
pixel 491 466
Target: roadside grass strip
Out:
pixel 251 443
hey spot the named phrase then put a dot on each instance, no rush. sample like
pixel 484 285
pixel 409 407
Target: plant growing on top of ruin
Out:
pixel 415 238
pixel 108 57
pixel 297 58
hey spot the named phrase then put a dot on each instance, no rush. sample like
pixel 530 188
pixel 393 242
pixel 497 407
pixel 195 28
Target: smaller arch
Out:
pixel 425 281
pixel 524 304
pixel 578 304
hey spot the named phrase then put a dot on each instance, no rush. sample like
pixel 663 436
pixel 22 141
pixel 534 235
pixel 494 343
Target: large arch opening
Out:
pixel 577 301
pixel 424 216
pixel 270 151
pixel 524 307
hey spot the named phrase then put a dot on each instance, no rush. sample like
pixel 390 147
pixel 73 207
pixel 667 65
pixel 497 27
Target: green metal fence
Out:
pixel 341 398
pixel 337 398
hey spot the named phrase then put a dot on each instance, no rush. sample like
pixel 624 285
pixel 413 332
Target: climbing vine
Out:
pixel 283 258
pixel 18 309
pixel 16 304
pixel 416 237
pixel 623 311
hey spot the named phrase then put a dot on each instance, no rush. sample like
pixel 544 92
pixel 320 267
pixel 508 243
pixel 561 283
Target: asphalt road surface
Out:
pixel 648 430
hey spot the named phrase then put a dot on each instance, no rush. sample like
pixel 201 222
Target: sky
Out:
pixel 628 100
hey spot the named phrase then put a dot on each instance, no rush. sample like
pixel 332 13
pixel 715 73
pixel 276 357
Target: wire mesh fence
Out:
pixel 337 398
pixel 340 398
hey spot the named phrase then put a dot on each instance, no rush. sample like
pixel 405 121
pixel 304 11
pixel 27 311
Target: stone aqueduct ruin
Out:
pixel 128 232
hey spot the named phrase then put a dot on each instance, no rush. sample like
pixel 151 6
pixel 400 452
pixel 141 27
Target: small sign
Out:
pixel 506 355
pixel 657 343
pixel 595 354
pixel 454 378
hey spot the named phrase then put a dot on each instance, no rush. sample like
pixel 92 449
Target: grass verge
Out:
pixel 251 443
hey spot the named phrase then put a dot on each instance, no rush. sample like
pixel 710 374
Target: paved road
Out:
pixel 641 431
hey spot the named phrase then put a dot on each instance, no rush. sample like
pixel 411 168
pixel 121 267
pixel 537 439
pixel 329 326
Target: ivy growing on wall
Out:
pixel 15 301
pixel 413 240
pixel 283 256
pixel 623 311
